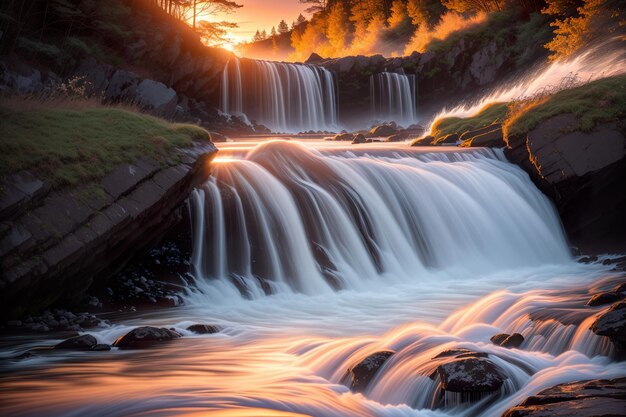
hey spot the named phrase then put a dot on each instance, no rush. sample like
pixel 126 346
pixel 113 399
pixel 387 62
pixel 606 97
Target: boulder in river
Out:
pixel 146 336
pixel 358 138
pixel 450 139
pixel 470 375
pixel 492 139
pixel 382 131
pixel 82 342
pixel 616 294
pixel 593 398
pixel 204 328
pixel 507 340
pixel 363 372
pixel 425 141
pixel 344 137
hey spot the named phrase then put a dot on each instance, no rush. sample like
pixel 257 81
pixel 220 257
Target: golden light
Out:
pixel 223 159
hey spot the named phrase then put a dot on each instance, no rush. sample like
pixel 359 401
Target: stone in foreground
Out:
pixel 364 372
pixel 143 337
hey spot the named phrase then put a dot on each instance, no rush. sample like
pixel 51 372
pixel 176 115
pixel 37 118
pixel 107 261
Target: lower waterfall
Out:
pixel 289 218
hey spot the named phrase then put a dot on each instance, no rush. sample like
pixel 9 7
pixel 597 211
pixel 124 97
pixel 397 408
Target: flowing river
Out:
pixel 312 256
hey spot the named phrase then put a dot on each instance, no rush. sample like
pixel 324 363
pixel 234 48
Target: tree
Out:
pixel 399 21
pixel 473 6
pixel 210 7
pixel 283 27
pixel 317 6
pixel 424 12
pixel 257 36
pixel 263 34
pixel 273 32
pixel 337 31
pixel 214 33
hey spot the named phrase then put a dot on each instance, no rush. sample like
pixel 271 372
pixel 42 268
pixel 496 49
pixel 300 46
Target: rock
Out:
pixel 492 139
pixel 476 132
pixel 314 58
pixel 362 374
pixel 83 342
pixel 595 398
pixel 425 141
pixel 157 97
pixel 359 138
pixel 583 172
pixel 612 323
pixel 217 137
pixel 616 294
pixel 344 137
pixel 382 131
pixel 398 137
pixel 450 139
pixel 470 375
pixel 101 347
pixel 122 85
pixel 508 341
pixel 204 328
pixel 143 337
pixel 460 353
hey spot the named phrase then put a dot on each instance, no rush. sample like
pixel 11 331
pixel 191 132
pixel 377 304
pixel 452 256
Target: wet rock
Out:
pixel 476 132
pixel 157 97
pixel 508 340
pixel 593 398
pixel 359 138
pixel 425 141
pixel 217 137
pixel 588 259
pixel 460 353
pixel 470 375
pixel 398 137
pixel 450 139
pixel 612 324
pixel 363 373
pixel 83 342
pixel 143 337
pixel 204 328
pixel 344 137
pixel 616 294
pixel 101 347
pixel 492 139
pixel 383 131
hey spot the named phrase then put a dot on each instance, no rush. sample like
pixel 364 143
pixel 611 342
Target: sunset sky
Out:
pixel 260 14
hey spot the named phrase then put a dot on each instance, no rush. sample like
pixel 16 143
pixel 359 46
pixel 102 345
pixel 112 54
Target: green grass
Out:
pixel 486 116
pixel 600 101
pixel 69 147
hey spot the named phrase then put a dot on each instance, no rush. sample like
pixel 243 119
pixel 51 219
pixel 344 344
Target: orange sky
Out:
pixel 260 14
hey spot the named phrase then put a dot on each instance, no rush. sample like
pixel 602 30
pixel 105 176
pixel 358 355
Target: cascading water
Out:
pixel 312 259
pixel 283 97
pixel 288 217
pixel 393 98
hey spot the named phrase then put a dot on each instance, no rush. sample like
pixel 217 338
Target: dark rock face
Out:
pixel 450 139
pixel 344 137
pixel 612 324
pixel 460 353
pixel 398 137
pixel 584 173
pixel 470 375
pixel 508 340
pixel 143 337
pixel 84 342
pixel 595 398
pixel 57 248
pixel 363 373
pixel 204 328
pixel 359 138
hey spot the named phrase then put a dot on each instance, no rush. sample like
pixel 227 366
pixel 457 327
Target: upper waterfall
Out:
pixel 393 98
pixel 281 96
pixel 290 218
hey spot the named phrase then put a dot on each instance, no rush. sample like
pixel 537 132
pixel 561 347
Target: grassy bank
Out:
pixel 600 101
pixel 71 146
pixel 486 116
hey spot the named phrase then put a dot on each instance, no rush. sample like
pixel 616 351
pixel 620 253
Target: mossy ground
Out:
pixel 79 146
pixel 486 116
pixel 600 101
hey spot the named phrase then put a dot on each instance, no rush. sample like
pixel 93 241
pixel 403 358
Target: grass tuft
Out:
pixel 487 115
pixel 70 146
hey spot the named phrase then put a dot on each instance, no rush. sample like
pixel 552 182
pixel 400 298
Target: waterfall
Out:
pixel 393 98
pixel 283 97
pixel 289 218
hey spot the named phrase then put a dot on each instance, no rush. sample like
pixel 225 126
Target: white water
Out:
pixel 602 60
pixel 393 98
pixel 433 248
pixel 283 97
